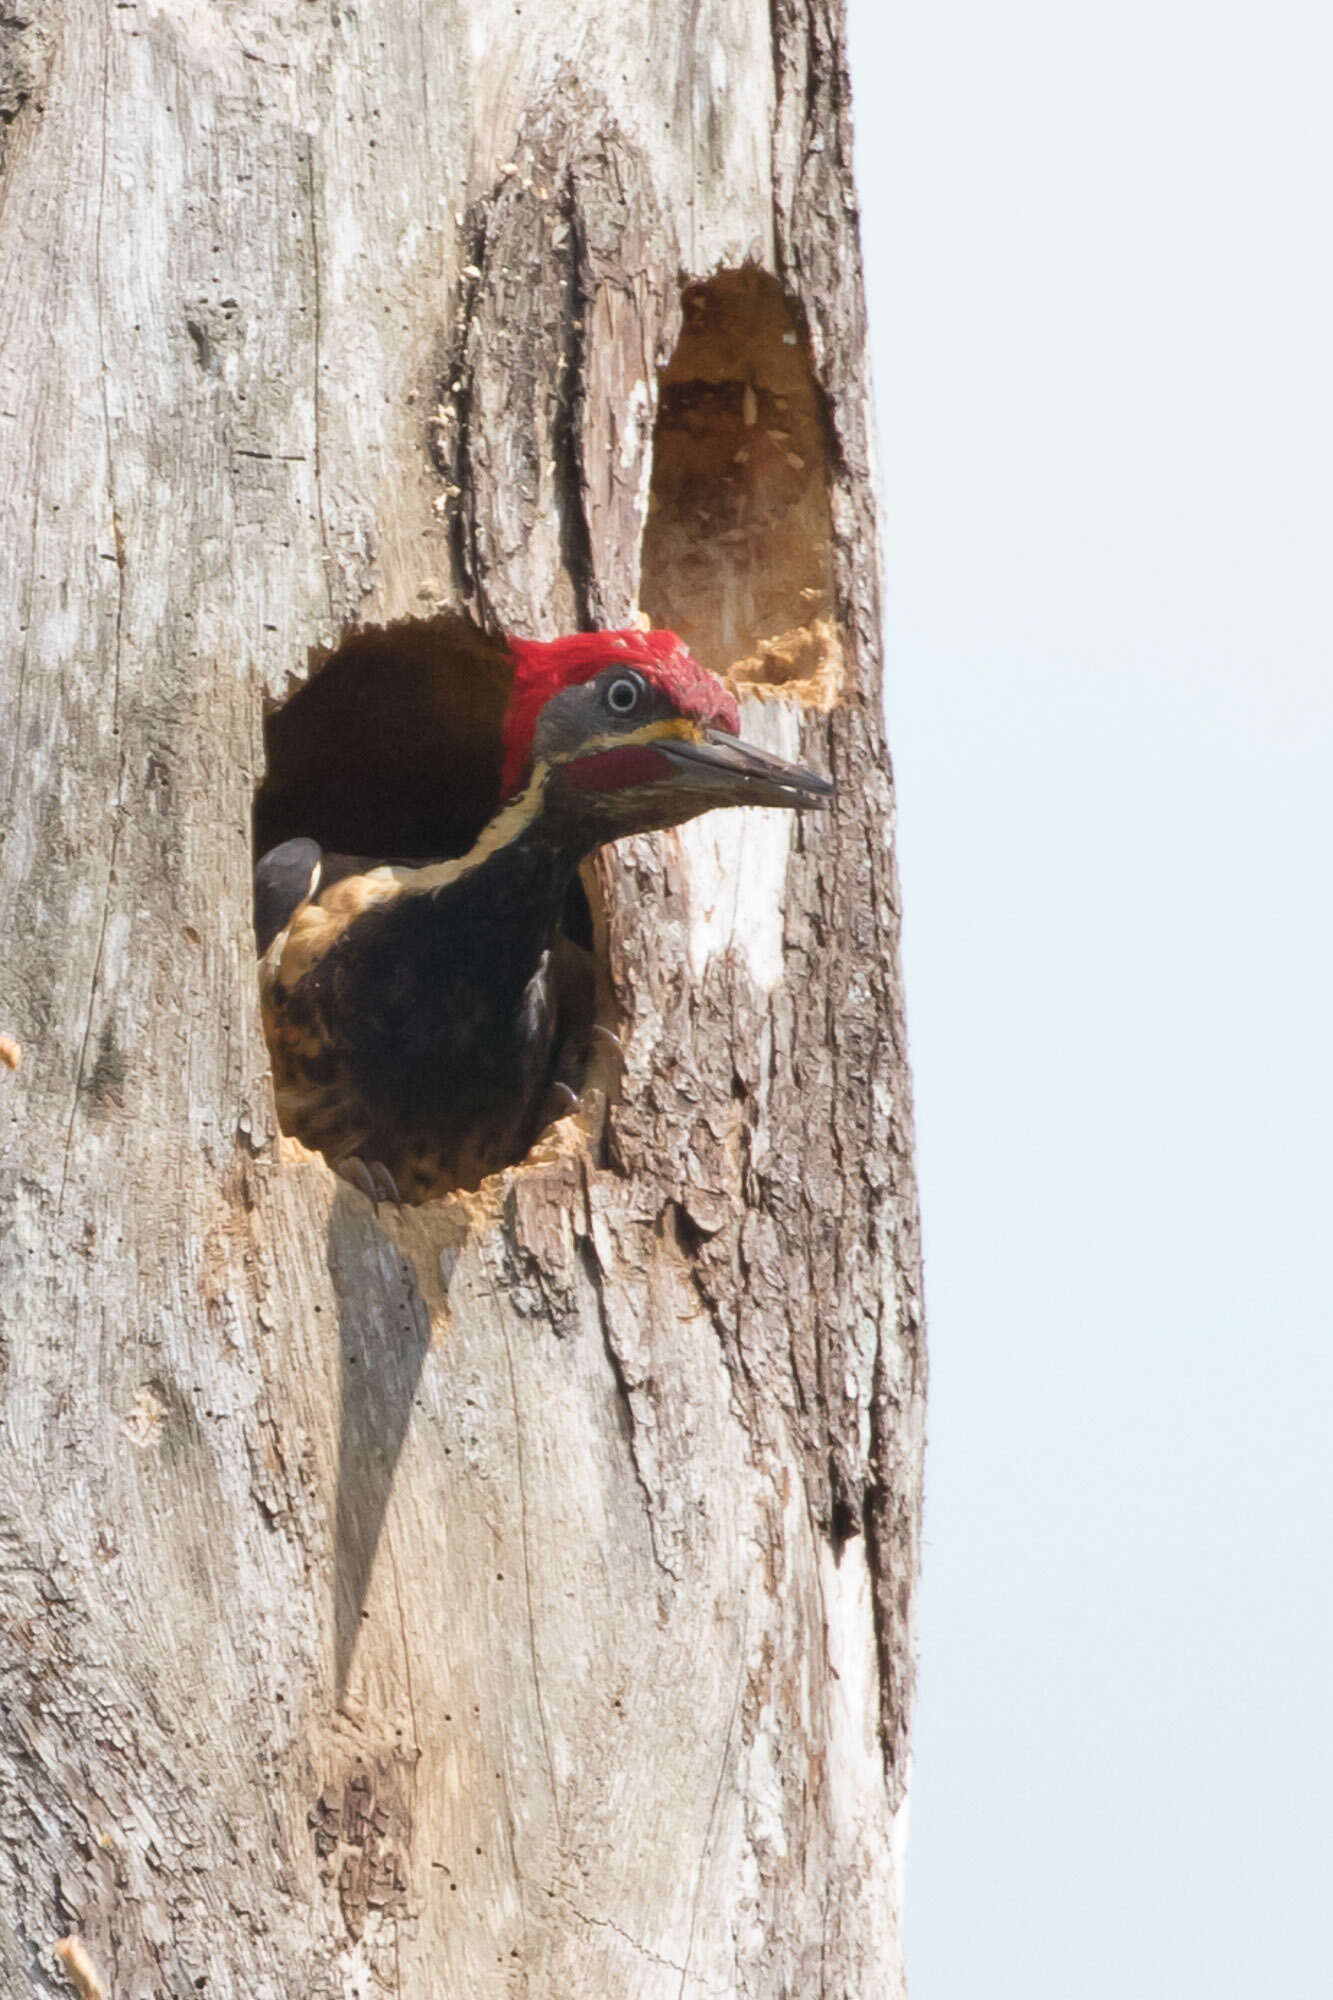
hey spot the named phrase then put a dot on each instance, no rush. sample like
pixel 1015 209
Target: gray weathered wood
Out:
pixel 514 1596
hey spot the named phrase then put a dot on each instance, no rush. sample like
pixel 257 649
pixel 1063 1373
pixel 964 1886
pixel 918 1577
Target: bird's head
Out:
pixel 631 733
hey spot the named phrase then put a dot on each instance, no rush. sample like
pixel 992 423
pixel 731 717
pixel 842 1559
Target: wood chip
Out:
pixel 83 1975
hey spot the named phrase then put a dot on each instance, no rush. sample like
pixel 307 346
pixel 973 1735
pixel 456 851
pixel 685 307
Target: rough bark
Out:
pixel 514 1596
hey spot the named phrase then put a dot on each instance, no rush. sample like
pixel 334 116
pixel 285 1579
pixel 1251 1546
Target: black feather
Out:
pixel 284 877
pixel 430 1022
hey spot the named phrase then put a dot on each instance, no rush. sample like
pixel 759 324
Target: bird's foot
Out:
pixel 565 1093
pixel 561 1099
pixel 373 1179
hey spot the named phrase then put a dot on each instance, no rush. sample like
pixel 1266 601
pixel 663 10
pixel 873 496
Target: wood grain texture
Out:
pixel 514 1597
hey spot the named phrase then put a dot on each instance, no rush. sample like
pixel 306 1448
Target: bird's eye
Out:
pixel 624 694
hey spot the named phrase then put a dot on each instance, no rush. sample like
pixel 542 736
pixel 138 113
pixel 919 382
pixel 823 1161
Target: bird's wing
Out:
pixel 285 877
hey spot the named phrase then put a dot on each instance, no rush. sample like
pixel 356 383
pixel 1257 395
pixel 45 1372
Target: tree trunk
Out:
pixel 513 1596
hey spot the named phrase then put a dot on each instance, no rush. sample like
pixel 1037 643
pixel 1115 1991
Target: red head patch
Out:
pixel 543 666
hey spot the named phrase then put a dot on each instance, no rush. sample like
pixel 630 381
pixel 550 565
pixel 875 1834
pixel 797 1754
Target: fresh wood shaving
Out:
pixel 82 1974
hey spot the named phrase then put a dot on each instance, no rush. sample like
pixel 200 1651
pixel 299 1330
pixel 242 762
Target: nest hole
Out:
pixel 738 543
pixel 390 751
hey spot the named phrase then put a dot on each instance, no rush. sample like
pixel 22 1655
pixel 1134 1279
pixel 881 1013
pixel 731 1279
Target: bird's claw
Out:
pixel 607 1035
pixel 372 1179
pixel 386 1187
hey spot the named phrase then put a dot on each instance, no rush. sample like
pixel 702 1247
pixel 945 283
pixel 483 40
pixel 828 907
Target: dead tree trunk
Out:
pixel 514 1596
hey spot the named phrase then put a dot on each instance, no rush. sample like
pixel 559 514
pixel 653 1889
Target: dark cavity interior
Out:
pixel 392 748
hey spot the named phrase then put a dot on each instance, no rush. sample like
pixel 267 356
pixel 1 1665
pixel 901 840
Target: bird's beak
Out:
pixel 719 770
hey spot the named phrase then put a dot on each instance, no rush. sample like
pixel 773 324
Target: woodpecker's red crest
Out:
pixel 542 667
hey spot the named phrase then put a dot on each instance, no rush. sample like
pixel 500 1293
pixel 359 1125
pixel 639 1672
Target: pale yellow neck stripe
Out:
pixel 510 821
pixel 507 825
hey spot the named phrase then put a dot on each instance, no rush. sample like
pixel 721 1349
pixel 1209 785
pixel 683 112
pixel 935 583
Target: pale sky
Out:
pixel 1101 289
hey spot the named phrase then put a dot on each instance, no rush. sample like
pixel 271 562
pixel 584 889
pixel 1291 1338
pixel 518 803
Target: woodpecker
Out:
pixel 410 1010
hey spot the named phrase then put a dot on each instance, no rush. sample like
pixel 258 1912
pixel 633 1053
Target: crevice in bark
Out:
pixel 316 355
pixel 533 481
pixel 608 1924
pixel 451 425
pixel 844 1521
pixel 897 1676
pixel 575 535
